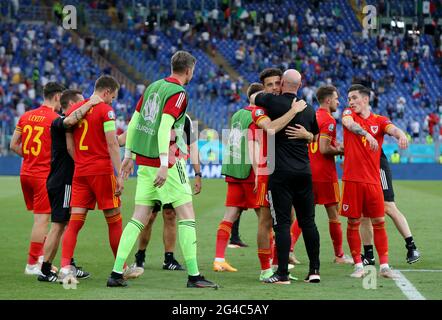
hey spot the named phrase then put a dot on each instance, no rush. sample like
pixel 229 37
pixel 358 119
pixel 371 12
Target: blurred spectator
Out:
pixel 400 107
pixel 415 130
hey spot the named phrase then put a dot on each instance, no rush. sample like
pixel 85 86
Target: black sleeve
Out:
pixel 58 124
pixel 315 127
pixel 263 100
pixel 189 132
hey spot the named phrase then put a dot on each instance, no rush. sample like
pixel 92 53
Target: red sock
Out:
pixel 115 227
pixel 295 232
pixel 34 252
pixel 381 241
pixel 70 238
pixel 222 238
pixel 354 241
pixel 336 236
pixel 264 256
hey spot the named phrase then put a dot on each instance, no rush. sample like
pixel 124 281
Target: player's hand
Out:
pixel 297 132
pixel 127 168
pixel 95 99
pixel 161 177
pixel 340 147
pixel 403 142
pixel 120 186
pixel 299 105
pixel 197 185
pixel 372 142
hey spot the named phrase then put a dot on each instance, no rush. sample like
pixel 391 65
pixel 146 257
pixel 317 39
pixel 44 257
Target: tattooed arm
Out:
pixel 350 124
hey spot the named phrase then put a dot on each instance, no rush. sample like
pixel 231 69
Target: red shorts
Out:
pixel 362 199
pixel 35 194
pixel 241 195
pixel 262 193
pixel 90 190
pixel 326 193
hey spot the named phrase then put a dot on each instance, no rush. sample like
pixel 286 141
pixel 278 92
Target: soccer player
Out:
pixel 161 168
pixel 291 184
pixel 393 212
pixel 169 215
pixel 32 141
pixel 271 80
pixel 59 183
pixel 362 192
pixel 240 178
pixel 322 160
pixel 97 155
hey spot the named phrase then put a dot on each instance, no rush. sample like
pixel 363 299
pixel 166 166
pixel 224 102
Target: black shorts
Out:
pixel 286 190
pixel 386 180
pixel 60 199
pixel 157 207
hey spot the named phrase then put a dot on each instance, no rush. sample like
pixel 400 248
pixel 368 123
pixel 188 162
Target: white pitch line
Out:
pixel 407 287
pixel 420 270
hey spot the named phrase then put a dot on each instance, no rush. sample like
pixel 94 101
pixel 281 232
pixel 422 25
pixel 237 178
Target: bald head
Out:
pixel 291 81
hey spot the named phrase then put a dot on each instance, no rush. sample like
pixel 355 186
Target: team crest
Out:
pixel 345 207
pixel 151 107
pixel 235 135
pixel 331 127
pixel 374 129
pixel 259 112
pixel 347 112
pixel 111 115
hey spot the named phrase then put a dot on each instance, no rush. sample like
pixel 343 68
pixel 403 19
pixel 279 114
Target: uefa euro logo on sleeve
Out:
pixel 370 279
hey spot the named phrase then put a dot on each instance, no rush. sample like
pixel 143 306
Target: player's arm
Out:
pixel 127 166
pixel 272 127
pixel 122 139
pixel 326 148
pixel 15 144
pixel 70 145
pixel 114 151
pixel 72 119
pixel 351 125
pixel 195 160
pixel 394 131
pixel 166 124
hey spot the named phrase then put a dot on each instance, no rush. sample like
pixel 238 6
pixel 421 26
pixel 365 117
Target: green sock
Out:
pixel 187 235
pixel 127 241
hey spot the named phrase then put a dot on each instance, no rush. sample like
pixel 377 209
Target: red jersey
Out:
pixel 252 136
pixel 91 151
pixel 258 114
pixel 35 127
pixel 323 166
pixel 362 164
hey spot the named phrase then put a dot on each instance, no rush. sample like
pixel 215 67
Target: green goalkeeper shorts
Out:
pixel 176 190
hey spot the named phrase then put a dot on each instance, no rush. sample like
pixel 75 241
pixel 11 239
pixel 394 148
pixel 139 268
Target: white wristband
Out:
pixel 127 154
pixel 164 160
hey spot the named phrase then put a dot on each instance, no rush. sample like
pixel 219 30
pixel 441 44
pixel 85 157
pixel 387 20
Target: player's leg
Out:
pixel 37 200
pixel 169 239
pixel 401 224
pixel 222 238
pixel 235 200
pixel 280 198
pixel 264 243
pixel 235 239
pixel 367 241
pixel 374 209
pixel 351 207
pixel 334 226
pixel 295 232
pixel 303 203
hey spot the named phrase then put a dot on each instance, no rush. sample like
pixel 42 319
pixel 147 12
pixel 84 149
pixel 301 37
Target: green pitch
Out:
pixel 419 201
